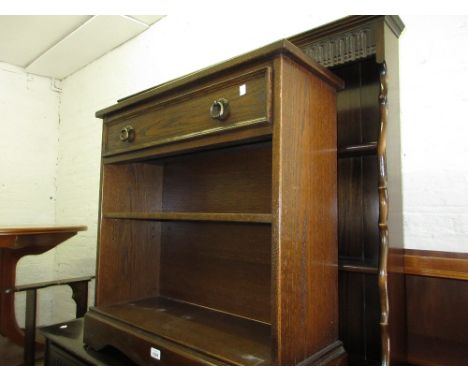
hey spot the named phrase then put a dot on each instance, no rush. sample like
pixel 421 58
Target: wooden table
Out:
pixel 16 242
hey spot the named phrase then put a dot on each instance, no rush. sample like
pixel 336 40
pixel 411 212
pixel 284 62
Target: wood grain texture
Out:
pixel 193 216
pixel 120 194
pixel 427 296
pixel 187 115
pixel 190 328
pixel 359 316
pixel 353 47
pixel 358 210
pixel 281 47
pixel 223 266
pixel 304 215
pixel 231 180
pixel 358 247
pixel 34 230
pixel 437 313
pixel 398 308
pixel 449 265
pixel 16 242
pixel 128 261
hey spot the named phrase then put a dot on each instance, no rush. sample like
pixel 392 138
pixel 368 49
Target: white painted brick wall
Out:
pixel 28 158
pixel 434 105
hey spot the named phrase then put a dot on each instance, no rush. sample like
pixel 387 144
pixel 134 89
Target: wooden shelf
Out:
pixel 193 216
pixel 232 339
pixel 369 148
pixel 357 267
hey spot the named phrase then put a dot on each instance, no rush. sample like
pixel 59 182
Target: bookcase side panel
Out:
pixel 304 216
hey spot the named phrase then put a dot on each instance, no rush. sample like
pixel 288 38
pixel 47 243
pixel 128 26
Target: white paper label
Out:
pixel 242 89
pixel 155 353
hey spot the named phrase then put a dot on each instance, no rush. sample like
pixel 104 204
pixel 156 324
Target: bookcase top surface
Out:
pixel 281 47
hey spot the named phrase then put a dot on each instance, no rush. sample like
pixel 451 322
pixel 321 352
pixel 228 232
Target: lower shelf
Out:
pixel 180 327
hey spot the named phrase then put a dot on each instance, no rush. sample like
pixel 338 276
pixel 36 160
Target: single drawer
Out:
pixel 236 101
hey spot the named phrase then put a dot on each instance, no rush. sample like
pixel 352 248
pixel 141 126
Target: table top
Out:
pixel 36 230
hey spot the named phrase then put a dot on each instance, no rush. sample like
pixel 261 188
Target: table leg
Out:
pixel 30 327
pixel 8 326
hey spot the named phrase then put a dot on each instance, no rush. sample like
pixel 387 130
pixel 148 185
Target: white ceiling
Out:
pixel 57 46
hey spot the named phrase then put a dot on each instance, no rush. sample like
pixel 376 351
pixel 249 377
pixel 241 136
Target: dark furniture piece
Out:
pixel 363 51
pixel 65 347
pixel 16 242
pixel 218 229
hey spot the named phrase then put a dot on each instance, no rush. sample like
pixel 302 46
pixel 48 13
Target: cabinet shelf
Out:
pixel 358 267
pixel 193 216
pixel 245 342
pixel 369 148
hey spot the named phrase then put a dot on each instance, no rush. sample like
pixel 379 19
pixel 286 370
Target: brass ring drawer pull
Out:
pixel 127 134
pixel 220 109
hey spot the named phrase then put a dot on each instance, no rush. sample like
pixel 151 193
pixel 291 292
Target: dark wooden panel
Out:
pixel 437 317
pixel 358 209
pixel 219 265
pixel 231 180
pixel 397 307
pixel 357 104
pixel 372 319
pixel 119 191
pixel 351 313
pixel 348 105
pixel 350 209
pixel 304 215
pixel 428 294
pixel 370 205
pixel 369 96
pixel 359 317
pixel 228 338
pixel 128 262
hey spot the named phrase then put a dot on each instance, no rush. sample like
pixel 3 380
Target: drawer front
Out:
pixel 245 99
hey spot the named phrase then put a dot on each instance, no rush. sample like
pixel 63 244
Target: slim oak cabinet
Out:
pixel 218 217
pixel 363 51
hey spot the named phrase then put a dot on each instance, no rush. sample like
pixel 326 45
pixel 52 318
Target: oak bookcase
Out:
pixel 218 217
